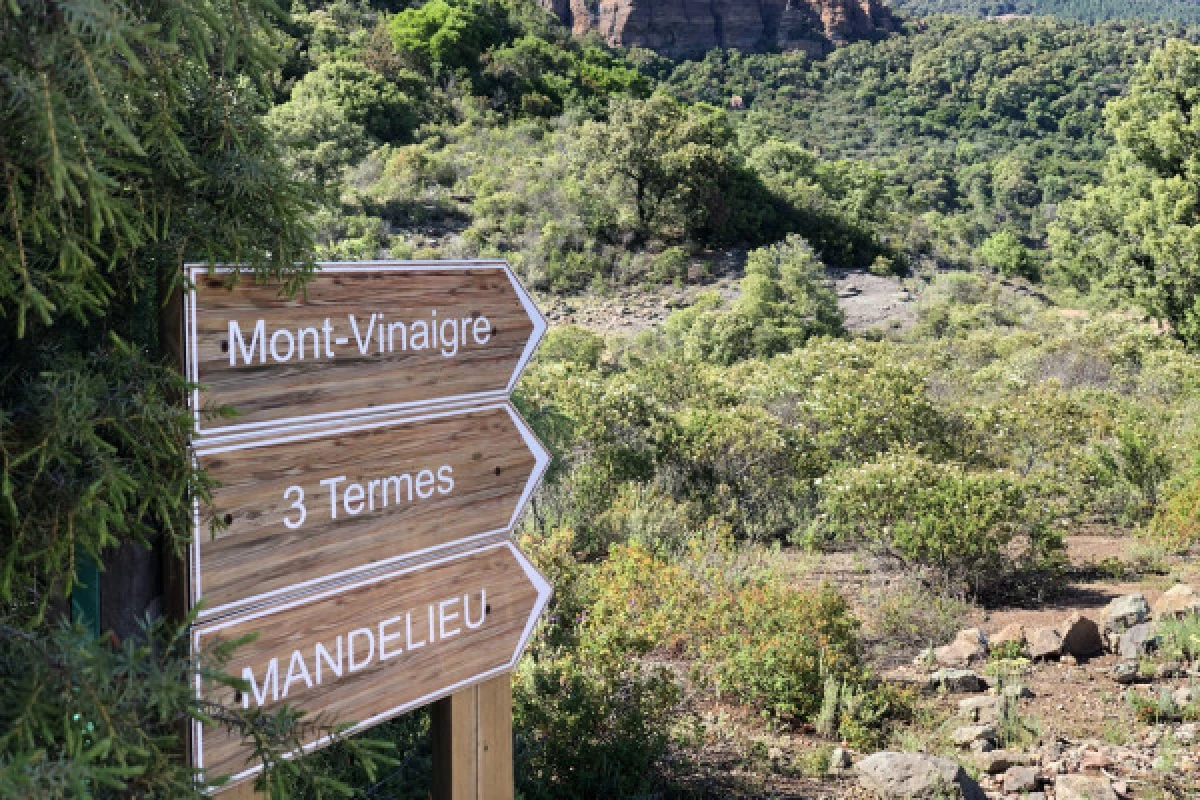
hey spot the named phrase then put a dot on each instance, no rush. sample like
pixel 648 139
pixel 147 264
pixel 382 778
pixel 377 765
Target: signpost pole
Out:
pixel 472 743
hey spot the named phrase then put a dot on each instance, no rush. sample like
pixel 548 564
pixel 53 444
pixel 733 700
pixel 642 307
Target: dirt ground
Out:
pixel 869 302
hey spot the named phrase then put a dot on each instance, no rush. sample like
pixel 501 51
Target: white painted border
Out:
pixel 541 585
pixel 227 428
pixel 206 447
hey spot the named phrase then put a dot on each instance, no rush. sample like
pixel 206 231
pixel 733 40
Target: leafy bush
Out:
pixel 937 516
pixel 784 301
pixel 591 728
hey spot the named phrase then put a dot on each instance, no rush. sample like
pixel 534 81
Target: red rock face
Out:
pixel 687 27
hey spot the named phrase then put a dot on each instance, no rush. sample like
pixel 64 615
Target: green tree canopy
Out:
pixel 1139 230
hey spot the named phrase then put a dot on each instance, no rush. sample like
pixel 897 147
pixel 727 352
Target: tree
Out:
pixel 1139 230
pixel 448 34
pixel 130 141
pixel 677 167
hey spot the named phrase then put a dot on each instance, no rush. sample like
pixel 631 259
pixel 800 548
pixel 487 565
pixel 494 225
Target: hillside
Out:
pixel 1086 10
pixel 871 382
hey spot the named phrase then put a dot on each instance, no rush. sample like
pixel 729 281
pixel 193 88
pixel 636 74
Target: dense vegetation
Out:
pixel 1005 169
pixel 1087 10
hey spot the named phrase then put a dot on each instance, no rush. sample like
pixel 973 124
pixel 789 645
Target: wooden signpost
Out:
pixel 317 505
pixel 368 469
pixel 361 338
pixel 372 649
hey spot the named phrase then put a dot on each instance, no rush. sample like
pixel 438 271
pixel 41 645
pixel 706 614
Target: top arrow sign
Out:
pixel 367 337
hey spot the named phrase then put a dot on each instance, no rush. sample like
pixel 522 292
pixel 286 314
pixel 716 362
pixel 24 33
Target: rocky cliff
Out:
pixel 687 27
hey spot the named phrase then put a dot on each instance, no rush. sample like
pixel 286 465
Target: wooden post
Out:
pixel 472 743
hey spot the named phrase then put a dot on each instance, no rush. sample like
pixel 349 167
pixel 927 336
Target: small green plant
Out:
pixel 814 762
pixel 1011 650
pixel 1179 639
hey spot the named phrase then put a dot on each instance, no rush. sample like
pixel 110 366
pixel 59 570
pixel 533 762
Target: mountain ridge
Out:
pixel 677 28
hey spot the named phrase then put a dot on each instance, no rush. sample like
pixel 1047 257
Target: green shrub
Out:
pixel 937 516
pixel 591 728
pixel 784 302
pixel 572 344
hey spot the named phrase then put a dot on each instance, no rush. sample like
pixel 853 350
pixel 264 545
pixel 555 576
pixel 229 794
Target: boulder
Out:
pixel 984 708
pixel 1081 637
pixel 1009 633
pixel 998 762
pixel 969 647
pixel 1021 779
pixel 1126 611
pixel 957 680
pixel 1045 643
pixel 969 734
pixel 916 776
pixel 1178 601
pixel 1137 641
pixel 1084 787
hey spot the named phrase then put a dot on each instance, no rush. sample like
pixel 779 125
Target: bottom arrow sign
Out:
pixel 366 651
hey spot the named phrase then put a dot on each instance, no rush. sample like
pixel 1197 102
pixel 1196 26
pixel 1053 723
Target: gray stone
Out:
pixel 969 647
pixel 1084 787
pixel 1126 673
pixel 1081 637
pixel 1178 601
pixel 1045 643
pixel 915 776
pixel 967 734
pixel 997 762
pixel 1126 611
pixel 956 680
pixel 1137 641
pixel 984 708
pixel 1021 779
pixel 1018 692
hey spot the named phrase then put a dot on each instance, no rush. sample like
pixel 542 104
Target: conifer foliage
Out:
pixel 130 142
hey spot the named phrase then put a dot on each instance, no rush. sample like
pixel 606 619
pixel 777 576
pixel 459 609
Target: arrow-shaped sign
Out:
pixel 369 337
pixel 374 649
pixel 317 505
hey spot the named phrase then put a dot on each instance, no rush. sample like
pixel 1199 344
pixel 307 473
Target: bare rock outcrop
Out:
pixel 679 28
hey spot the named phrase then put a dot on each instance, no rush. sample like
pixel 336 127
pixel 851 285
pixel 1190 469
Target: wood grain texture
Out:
pixel 264 393
pixel 492 459
pixel 382 689
pixel 472 743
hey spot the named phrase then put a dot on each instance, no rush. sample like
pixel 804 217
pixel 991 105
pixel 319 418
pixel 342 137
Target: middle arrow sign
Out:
pixel 307 508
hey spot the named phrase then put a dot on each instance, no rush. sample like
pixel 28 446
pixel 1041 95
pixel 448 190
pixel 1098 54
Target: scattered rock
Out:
pixel 1137 641
pixel 969 647
pixel 1021 779
pixel 1126 673
pixel 1081 637
pixel 957 680
pixel 1018 692
pixel 1094 762
pixel 1178 601
pixel 924 658
pixel 1121 788
pixel 979 709
pixel 916 776
pixel 1045 643
pixel 839 759
pixel 1084 787
pixel 1125 612
pixel 997 762
pixel 968 734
